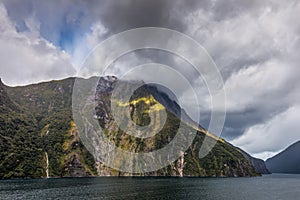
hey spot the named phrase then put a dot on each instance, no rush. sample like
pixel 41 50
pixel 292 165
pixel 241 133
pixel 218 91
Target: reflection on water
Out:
pixel 276 186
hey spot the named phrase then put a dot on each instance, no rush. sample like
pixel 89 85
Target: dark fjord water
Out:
pixel 276 186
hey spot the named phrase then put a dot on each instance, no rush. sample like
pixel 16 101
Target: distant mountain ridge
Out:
pixel 38 135
pixel 287 161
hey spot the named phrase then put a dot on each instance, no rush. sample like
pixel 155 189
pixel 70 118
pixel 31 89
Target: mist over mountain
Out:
pixel 39 137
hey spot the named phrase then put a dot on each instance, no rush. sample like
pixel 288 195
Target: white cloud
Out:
pixel 251 37
pixel 96 35
pixel 83 46
pixel 257 84
pixel 268 138
pixel 26 57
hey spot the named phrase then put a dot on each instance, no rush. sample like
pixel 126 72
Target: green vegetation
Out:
pixel 223 160
pixel 37 119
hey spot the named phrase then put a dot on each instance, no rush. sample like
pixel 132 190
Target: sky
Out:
pixel 254 43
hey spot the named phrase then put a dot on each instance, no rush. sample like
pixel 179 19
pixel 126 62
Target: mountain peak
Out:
pixel 106 83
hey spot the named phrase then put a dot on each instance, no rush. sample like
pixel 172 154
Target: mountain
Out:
pixel 39 137
pixel 18 143
pixel 287 161
pixel 258 164
pixel 36 129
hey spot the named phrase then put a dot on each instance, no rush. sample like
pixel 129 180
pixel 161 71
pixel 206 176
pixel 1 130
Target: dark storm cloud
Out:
pixel 115 15
pixel 123 15
pixel 239 121
pixel 133 14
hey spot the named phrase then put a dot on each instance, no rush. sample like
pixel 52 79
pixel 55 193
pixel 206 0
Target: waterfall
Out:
pixel 181 164
pixel 47 165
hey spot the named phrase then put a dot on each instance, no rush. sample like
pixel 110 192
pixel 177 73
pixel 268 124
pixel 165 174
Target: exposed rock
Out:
pixel 75 168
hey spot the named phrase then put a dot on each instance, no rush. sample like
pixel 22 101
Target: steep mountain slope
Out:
pixel 287 161
pixel 223 160
pixel 20 148
pixel 49 105
pixel 41 115
pixel 258 164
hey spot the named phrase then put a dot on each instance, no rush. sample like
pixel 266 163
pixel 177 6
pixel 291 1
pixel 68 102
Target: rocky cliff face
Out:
pixel 223 160
pixel 46 126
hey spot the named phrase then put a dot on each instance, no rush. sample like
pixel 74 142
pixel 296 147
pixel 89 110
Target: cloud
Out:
pixel 57 19
pixel 248 37
pixel 276 134
pixel 26 57
pixel 254 44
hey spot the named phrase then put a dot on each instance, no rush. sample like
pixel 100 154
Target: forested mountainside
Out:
pixel 38 137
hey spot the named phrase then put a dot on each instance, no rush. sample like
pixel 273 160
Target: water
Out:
pixel 276 186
